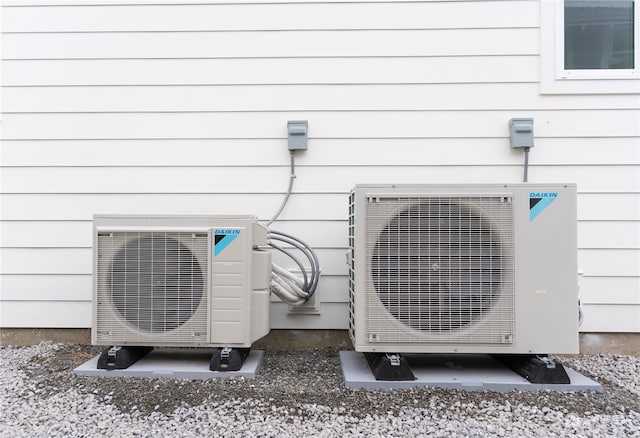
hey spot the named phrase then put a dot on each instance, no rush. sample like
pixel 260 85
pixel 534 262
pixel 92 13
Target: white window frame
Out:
pixel 555 79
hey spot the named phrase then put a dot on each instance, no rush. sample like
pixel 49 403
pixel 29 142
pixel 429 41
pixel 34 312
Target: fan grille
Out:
pixel 442 266
pixel 155 283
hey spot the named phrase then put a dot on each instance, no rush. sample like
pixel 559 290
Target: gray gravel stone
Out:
pixel 297 393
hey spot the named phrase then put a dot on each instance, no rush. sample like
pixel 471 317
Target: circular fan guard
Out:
pixel 437 267
pixel 155 283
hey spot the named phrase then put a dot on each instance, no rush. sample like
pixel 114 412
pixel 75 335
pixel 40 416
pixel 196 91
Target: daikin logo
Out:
pixel 222 238
pixel 227 232
pixel 536 195
pixel 538 201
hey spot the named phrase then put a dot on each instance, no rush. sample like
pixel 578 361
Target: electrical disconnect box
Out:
pixel 521 133
pixel 297 133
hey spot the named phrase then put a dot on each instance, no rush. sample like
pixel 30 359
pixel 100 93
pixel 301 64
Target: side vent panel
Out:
pixel 351 262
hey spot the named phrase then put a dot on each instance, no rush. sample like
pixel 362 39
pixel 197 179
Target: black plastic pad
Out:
pixel 232 361
pixel 535 369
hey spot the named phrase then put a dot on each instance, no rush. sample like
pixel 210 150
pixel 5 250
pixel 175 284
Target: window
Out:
pixel 590 46
pixel 598 35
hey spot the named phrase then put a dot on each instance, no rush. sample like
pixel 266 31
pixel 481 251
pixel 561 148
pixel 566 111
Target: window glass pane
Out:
pixel 598 34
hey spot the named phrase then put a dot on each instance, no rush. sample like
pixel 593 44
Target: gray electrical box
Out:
pixel 297 131
pixel 521 133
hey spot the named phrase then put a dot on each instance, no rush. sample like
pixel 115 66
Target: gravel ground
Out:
pixel 297 393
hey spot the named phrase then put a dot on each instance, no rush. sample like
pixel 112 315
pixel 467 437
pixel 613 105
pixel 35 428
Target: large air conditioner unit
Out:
pixel 463 268
pixel 196 281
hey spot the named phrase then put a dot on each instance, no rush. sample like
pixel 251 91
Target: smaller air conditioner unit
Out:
pixel 184 281
pixel 484 268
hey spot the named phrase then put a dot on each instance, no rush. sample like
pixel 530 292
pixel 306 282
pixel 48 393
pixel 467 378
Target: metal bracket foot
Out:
pixel 389 367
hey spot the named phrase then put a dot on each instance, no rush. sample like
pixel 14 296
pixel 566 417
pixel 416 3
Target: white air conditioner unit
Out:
pixel 200 281
pixel 464 268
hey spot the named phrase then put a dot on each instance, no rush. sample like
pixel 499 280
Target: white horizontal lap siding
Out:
pixel 269 44
pixel 259 71
pixel 249 16
pixel 325 152
pixel 270 98
pixel 120 107
pixel 269 180
pixel 326 124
